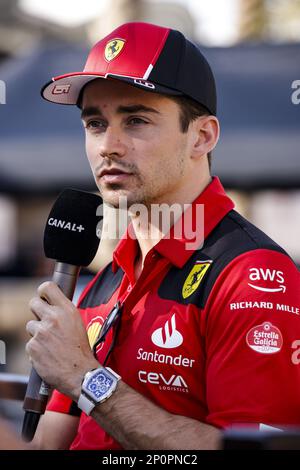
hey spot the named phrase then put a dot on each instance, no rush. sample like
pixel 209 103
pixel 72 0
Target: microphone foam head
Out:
pixel 70 234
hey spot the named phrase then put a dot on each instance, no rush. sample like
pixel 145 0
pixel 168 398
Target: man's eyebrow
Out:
pixel 90 111
pixel 129 109
pixel 136 108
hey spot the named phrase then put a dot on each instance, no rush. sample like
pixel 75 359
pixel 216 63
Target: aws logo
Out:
pixel 195 277
pixel 270 275
pixel 93 331
pixel 113 49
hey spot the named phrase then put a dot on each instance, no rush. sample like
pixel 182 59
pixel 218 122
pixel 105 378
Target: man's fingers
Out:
pixel 32 327
pixel 52 294
pixel 39 307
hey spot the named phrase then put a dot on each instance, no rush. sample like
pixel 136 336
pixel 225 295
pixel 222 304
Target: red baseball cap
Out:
pixel 147 56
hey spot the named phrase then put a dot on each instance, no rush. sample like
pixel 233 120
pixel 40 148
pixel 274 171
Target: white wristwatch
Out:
pixel 97 386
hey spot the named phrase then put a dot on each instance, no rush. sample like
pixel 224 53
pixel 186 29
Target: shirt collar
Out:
pixel 216 205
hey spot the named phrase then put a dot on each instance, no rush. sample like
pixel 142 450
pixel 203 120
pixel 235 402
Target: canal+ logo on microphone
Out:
pixel 66 225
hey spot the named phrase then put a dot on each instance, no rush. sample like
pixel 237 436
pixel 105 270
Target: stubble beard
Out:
pixel 112 194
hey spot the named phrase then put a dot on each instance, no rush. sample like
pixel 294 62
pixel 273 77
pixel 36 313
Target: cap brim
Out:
pixel 65 89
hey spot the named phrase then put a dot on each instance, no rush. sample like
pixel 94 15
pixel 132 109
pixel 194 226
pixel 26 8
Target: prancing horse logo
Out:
pixel 113 48
pixel 195 277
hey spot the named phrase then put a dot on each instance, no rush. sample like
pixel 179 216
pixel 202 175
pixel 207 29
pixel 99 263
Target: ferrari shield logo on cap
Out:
pixel 113 48
pixel 194 278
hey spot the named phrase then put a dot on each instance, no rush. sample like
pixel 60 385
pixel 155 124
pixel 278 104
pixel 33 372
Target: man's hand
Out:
pixel 60 353
pixel 59 349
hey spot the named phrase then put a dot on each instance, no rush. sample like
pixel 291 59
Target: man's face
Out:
pixel 135 137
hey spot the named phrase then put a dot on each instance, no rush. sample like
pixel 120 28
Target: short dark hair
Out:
pixel 189 111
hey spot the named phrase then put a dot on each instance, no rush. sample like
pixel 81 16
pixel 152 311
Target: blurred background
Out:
pixel 254 49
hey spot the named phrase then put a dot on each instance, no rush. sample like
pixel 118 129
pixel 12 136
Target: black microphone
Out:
pixel 71 238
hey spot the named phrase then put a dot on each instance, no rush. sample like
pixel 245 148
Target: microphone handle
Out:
pixel 36 397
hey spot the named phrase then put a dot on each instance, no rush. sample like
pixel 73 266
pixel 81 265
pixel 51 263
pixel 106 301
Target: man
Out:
pixel 207 330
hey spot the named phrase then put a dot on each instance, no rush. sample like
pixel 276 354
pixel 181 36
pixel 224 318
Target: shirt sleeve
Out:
pixel 252 333
pixel 62 404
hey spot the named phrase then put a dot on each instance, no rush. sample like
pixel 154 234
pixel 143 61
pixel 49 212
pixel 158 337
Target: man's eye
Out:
pixel 136 120
pixel 95 125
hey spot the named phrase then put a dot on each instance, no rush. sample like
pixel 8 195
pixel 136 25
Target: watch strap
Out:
pixel 86 404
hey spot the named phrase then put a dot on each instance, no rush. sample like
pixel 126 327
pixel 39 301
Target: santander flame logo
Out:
pixel 167 337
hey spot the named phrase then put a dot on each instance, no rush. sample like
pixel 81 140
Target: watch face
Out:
pixel 99 384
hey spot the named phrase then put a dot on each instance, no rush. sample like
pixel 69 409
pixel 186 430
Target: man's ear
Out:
pixel 205 136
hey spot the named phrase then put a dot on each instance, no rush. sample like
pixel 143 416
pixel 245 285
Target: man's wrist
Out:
pixel 76 387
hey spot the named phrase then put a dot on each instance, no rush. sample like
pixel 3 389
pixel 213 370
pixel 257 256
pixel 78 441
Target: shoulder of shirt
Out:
pixel 235 235
pixel 232 237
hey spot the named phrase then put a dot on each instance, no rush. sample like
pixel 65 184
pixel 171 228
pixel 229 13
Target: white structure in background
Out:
pixel 173 14
pixel 216 20
pixel 2 92
pixel 8 235
pixel 277 214
pixel 2 352
pixel 66 13
pixel 213 23
pixel 284 24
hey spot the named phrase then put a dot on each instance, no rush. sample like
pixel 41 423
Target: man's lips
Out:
pixel 113 175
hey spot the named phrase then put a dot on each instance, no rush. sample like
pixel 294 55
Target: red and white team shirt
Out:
pixel 212 334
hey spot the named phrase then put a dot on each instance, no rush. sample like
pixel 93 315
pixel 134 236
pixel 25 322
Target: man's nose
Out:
pixel 111 143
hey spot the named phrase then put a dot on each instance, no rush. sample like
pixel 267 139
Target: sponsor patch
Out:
pixel 167 337
pixel 93 331
pixel 113 49
pixel 60 89
pixel 144 83
pixel 265 338
pixel 154 356
pixel 165 383
pixel 195 277
pixel 271 276
pixel 260 305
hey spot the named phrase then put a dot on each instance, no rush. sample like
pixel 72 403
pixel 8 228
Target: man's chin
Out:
pixel 121 201
pixel 118 200
pixel 118 197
